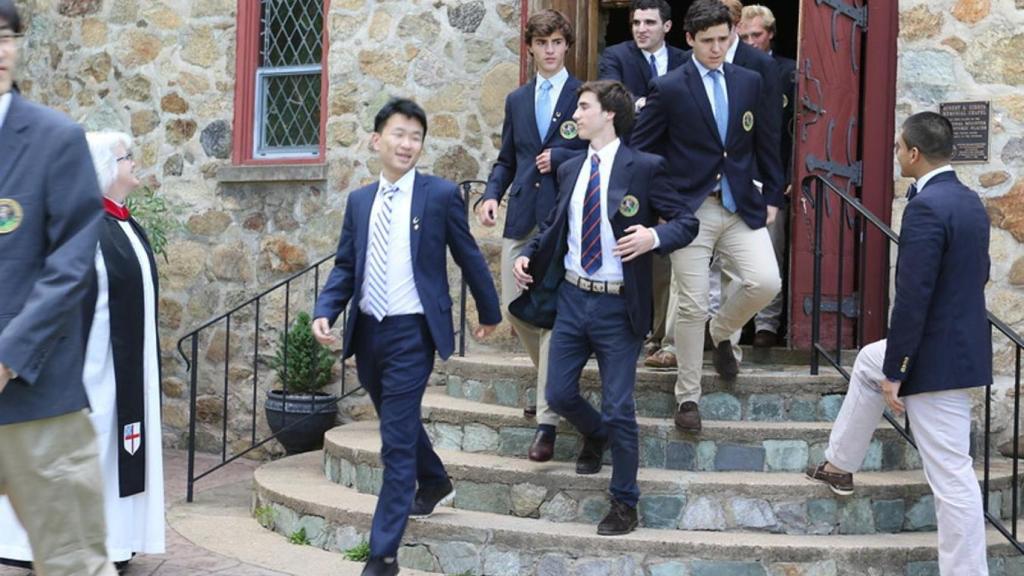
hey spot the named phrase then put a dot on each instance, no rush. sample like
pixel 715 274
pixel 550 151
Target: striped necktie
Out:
pixel 377 260
pixel 590 239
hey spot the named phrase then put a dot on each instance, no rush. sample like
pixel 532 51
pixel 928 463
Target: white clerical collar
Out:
pixel 923 180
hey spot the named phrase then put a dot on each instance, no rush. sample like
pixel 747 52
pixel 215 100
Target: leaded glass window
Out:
pixel 288 79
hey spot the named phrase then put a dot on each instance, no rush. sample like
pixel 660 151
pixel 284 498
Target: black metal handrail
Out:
pixel 256 305
pixel 821 206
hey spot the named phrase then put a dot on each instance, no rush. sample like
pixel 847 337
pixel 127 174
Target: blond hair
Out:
pixel 764 12
pixel 735 10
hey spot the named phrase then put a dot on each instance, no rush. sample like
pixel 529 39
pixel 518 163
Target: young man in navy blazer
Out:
pixel 707 116
pixel 939 346
pixel 589 273
pixel 635 63
pixel 392 267
pixel 537 137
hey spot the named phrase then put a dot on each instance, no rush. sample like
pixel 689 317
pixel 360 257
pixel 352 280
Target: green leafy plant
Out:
pixel 156 217
pixel 358 553
pixel 299 537
pixel 309 363
pixel 265 516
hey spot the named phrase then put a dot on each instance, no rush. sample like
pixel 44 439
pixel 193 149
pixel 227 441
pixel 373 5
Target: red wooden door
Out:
pixel 832 138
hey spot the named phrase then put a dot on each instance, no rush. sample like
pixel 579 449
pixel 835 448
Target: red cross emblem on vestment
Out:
pixel 132 437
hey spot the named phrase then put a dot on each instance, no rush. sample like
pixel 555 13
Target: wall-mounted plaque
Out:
pixel 970 129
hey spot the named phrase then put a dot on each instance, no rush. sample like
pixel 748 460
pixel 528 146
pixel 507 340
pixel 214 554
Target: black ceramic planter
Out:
pixel 319 412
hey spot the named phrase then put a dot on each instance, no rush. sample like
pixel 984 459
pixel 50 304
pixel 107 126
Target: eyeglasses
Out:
pixel 8 39
pixel 127 157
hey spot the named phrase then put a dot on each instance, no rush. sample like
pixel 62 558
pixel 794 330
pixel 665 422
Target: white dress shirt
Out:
pixel 660 58
pixel 730 54
pixel 402 295
pixel 557 83
pixel 5 105
pixel 923 180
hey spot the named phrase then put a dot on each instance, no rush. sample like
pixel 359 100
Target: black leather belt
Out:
pixel 596 286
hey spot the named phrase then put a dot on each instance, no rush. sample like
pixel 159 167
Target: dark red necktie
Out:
pixel 116 210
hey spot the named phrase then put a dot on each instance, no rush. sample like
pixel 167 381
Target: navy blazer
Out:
pixel 437 222
pixel 638 174
pixel 46 262
pixel 531 194
pixel 787 82
pixel 678 121
pixel 628 64
pixel 939 337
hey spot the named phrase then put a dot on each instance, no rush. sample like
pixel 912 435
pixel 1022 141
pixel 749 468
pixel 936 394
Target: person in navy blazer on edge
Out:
pixel 538 135
pixel 592 268
pixel 708 117
pixel 392 266
pixel 939 346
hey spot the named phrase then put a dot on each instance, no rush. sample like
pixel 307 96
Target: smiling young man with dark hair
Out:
pixel 588 276
pixel 391 272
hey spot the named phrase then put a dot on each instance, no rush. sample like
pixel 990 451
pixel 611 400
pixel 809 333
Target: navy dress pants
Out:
pixel 394 358
pixel 587 323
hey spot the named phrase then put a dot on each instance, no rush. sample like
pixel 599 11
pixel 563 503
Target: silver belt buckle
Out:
pixel 599 287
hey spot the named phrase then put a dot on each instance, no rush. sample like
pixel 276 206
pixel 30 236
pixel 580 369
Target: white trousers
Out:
pixel 941 425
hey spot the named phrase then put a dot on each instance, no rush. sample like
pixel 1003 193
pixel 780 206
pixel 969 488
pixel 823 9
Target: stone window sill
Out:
pixel 272 173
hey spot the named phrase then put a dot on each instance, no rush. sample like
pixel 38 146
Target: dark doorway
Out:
pixel 616 25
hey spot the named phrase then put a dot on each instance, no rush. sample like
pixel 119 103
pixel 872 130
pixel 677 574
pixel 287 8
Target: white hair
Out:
pixel 104 160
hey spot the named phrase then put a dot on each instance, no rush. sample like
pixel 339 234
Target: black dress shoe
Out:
pixel 530 411
pixel 621 519
pixel 381 567
pixel 543 447
pixel 688 417
pixel 430 497
pixel 589 460
pixel 725 362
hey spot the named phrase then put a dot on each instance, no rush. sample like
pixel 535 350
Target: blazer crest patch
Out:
pixel 10 215
pixel 568 130
pixel 629 206
pixel 748 120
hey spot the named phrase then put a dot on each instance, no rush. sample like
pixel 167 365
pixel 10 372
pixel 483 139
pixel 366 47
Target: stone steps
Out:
pixel 761 393
pixel 721 501
pixel 459 424
pixel 462 541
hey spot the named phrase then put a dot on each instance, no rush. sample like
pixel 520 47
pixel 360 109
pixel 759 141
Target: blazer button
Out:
pixel 536 184
pixel 718 176
pixel 725 154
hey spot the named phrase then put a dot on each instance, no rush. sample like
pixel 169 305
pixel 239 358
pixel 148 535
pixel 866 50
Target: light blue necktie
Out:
pixel 722 120
pixel 544 109
pixel 654 66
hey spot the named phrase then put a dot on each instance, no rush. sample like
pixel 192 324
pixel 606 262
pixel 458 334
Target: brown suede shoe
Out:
pixel 765 339
pixel 543 447
pixel 661 359
pixel 725 361
pixel 839 482
pixel 688 417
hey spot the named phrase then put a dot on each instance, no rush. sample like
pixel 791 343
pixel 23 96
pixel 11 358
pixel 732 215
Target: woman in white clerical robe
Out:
pixel 122 371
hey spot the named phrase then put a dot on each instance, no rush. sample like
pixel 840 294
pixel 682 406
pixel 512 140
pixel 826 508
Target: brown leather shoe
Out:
pixel 725 361
pixel 839 482
pixel 661 359
pixel 688 417
pixel 765 339
pixel 651 348
pixel 530 412
pixel 543 447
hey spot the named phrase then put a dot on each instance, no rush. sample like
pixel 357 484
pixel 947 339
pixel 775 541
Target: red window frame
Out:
pixel 247 53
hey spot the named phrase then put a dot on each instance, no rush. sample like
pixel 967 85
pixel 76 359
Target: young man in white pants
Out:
pixel 939 346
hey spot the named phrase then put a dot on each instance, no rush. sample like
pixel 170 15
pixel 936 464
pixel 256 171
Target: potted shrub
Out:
pixel 308 369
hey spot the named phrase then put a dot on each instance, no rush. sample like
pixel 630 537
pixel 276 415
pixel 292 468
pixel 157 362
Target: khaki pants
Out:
pixel 534 339
pixel 748 255
pixel 941 423
pixel 50 470
pixel 771 317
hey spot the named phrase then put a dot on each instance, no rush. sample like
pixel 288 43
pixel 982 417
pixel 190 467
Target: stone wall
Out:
pixel 163 70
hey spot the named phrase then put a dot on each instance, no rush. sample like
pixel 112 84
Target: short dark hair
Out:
pixel 547 22
pixel 704 14
pixel 9 12
pixel 613 97
pixel 663 8
pixel 931 134
pixel 403 106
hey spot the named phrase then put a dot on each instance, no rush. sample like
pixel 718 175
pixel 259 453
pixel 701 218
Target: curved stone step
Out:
pixel 459 424
pixel 768 393
pixel 720 501
pixel 461 541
